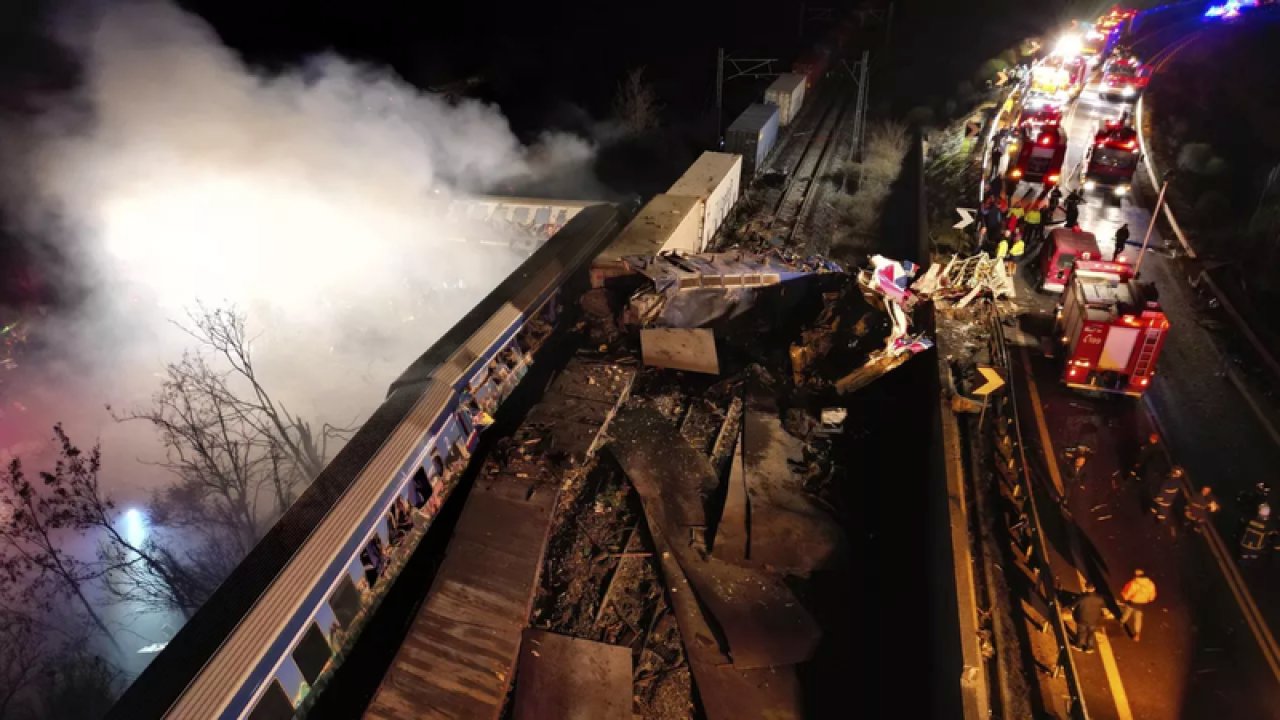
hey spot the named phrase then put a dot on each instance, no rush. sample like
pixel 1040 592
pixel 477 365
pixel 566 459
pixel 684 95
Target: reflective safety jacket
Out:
pixel 1255 535
pixel 1033 216
pixel 1018 248
pixel 1139 591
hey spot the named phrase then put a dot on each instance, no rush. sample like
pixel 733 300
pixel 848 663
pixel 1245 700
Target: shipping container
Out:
pixel 752 136
pixel 667 222
pixel 714 181
pixel 787 92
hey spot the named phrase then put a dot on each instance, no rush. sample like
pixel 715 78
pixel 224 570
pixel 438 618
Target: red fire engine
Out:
pixel 1040 156
pixel 1112 329
pixel 1112 159
pixel 1123 78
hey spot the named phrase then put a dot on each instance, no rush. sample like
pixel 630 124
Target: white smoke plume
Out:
pixel 314 200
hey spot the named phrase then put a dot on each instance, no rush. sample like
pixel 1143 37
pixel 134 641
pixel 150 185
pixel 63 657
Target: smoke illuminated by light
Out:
pixel 1069 45
pixel 135 527
pixel 316 201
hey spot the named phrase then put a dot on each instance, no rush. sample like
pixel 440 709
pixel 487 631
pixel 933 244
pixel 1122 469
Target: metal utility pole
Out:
pixel 1142 253
pixel 719 93
pixel 859 73
pixel 738 67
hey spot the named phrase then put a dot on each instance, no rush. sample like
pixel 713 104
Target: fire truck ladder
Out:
pixel 1147 352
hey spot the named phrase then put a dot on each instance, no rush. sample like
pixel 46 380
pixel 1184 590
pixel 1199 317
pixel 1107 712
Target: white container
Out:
pixel 668 222
pixel 715 180
pixel 787 92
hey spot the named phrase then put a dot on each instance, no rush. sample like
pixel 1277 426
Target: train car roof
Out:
pixel 168 675
pixel 557 249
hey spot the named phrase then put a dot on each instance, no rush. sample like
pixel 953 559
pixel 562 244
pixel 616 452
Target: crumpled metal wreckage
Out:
pixel 887 285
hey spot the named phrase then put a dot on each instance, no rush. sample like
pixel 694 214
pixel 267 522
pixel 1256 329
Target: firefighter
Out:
pixel 1253 541
pixel 1034 221
pixel 1002 248
pixel 1122 237
pixel 1072 205
pixel 1055 198
pixel 1200 506
pixel 1167 494
pixel 1087 611
pixel 1136 594
pixel 1015 253
pixel 1147 452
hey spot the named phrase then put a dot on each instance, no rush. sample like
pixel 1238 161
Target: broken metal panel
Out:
pixel 966 278
pixel 692 349
pixel 763 623
pixel 567 678
pixel 731 536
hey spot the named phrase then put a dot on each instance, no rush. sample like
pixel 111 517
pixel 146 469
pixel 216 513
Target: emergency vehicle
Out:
pixel 1039 156
pixel 1034 119
pixel 1112 159
pixel 1057 79
pixel 1058 257
pixel 1123 78
pixel 1112 329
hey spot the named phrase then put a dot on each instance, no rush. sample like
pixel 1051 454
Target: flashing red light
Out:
pixel 1015 173
pixel 1129 320
pixel 1045 139
pixel 1144 381
pixel 1073 372
pixel 1053 178
pixel 1131 145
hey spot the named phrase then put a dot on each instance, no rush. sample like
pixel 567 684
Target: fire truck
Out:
pixel 1123 78
pixel 1112 159
pixel 1040 156
pixel 1057 79
pixel 1112 329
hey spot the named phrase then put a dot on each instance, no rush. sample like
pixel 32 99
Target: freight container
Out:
pixel 752 136
pixel 714 181
pixel 787 92
pixel 667 222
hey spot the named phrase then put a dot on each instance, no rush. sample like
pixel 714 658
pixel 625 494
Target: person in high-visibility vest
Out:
pixel 1136 594
pixel 1253 541
pixel 1002 249
pixel 1015 254
pixel 1034 221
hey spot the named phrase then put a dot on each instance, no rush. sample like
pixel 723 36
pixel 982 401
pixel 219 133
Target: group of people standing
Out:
pixel 1009 223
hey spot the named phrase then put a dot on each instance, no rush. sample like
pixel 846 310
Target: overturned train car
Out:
pixel 277 627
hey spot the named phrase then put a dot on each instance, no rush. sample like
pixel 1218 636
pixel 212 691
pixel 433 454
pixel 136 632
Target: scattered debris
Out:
pixel 561 677
pixel 692 349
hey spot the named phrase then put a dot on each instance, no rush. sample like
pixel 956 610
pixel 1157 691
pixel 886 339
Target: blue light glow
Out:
pixel 135 527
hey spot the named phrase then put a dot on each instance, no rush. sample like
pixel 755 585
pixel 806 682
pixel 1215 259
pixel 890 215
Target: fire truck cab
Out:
pixel 1123 78
pixel 1058 256
pixel 1112 329
pixel 1040 155
pixel 1112 159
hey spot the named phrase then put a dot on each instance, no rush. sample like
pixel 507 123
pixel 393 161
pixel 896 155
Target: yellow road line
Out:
pixel 1252 615
pixel 1109 665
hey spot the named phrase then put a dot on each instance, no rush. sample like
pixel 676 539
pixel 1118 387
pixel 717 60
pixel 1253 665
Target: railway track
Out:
pixel 795 201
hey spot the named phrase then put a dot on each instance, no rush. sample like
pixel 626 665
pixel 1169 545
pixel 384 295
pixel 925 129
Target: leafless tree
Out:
pixel 36 570
pixel 240 455
pixel 636 103
pixel 19 661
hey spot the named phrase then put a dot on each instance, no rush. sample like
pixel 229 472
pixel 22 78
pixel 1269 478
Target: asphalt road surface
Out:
pixel 1206 648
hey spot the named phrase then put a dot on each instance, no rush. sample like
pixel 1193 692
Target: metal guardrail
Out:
pixel 1028 538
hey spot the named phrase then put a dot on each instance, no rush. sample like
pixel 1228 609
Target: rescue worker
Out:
pixel 1055 198
pixel 1072 205
pixel 1253 541
pixel 1122 237
pixel 1015 254
pixel 1200 506
pixel 1167 493
pixel 1034 221
pixel 1147 453
pixel 1136 594
pixel 1002 248
pixel 1087 611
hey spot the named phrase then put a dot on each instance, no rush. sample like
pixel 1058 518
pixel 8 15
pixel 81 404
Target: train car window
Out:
pixel 520 216
pixel 478 380
pixel 464 417
pixel 422 486
pixel 562 217
pixel 273 705
pixel 345 602
pixel 312 653
pixel 400 519
pixel 542 216
pixel 437 467
pixel 479 212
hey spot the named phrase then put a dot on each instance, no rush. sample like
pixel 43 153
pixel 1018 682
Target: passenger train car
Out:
pixel 274 631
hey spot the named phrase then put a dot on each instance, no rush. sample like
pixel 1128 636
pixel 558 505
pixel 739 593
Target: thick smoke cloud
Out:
pixel 314 200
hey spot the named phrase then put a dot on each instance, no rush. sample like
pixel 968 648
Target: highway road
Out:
pixel 1208 649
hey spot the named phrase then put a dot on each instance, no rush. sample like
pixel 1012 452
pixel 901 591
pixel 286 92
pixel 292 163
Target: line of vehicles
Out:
pixel 1110 325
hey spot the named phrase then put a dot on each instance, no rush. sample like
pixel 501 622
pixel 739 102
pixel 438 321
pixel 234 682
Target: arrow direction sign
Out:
pixel 966 218
pixel 993 381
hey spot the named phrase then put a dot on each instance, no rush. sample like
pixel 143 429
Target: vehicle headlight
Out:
pixel 1122 189
pixel 1126 90
pixel 1090 185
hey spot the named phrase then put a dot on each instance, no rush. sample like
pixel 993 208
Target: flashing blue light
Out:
pixel 1229 9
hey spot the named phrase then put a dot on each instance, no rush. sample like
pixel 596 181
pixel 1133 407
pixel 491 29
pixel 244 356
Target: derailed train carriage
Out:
pixel 276 628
